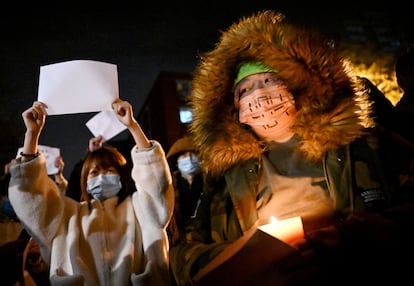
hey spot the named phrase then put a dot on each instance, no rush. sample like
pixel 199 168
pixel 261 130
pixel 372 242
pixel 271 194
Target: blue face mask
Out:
pixel 103 186
pixel 189 165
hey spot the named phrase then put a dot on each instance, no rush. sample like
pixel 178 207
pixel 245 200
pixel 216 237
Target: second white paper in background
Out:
pixel 105 123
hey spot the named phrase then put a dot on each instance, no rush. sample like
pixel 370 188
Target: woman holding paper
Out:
pixel 112 237
pixel 284 130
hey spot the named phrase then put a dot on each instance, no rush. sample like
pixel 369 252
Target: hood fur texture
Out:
pixel 331 109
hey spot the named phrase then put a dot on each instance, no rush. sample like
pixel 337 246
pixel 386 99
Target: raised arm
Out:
pixel 34 118
pixel 124 112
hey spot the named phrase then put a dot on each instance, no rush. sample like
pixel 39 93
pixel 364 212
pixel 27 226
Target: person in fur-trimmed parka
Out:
pixel 283 129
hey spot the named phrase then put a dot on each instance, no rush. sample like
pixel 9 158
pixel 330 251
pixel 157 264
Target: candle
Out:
pixel 287 230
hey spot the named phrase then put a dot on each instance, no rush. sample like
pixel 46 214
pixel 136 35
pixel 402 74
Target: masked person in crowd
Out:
pixel 113 236
pixel 188 184
pixel 74 184
pixel 283 129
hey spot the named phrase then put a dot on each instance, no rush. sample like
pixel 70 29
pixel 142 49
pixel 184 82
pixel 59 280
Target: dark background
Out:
pixel 142 39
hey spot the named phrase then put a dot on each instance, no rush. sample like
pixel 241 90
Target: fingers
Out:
pixel 325 238
pixel 59 163
pixel 124 112
pixel 39 107
pixel 120 107
pixel 35 116
pixel 95 143
pixel 37 111
pixel 39 104
pixel 301 268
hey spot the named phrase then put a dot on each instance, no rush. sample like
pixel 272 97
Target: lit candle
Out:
pixel 287 230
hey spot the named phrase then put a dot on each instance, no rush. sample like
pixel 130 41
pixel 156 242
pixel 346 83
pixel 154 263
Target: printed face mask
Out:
pixel 189 165
pixel 270 111
pixel 103 186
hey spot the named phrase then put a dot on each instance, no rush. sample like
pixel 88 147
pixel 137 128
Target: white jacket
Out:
pixel 104 243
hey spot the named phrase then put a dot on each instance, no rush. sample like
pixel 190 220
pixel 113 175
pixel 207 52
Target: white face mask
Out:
pixel 189 165
pixel 103 186
pixel 270 111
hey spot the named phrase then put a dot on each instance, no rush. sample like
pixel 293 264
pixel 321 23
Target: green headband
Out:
pixel 249 68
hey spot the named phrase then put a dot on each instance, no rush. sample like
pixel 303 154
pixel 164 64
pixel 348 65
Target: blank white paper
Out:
pixel 78 86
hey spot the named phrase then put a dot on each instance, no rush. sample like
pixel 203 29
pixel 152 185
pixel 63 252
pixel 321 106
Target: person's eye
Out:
pixel 112 170
pixel 271 80
pixel 243 91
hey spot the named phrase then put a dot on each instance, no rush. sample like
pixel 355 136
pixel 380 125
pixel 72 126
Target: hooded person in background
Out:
pixel 188 184
pixel 283 129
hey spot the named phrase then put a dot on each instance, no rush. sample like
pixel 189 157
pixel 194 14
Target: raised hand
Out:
pixel 125 115
pixel 95 143
pixel 34 118
pixel 123 110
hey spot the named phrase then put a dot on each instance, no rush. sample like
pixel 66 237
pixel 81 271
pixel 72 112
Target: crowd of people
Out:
pixel 283 128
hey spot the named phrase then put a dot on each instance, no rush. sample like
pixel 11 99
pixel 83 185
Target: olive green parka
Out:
pixel 334 124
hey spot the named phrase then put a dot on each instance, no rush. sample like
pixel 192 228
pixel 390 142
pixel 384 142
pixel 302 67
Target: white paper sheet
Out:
pixel 105 123
pixel 78 86
pixel 50 154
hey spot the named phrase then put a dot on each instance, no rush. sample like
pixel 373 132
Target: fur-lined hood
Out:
pixel 331 111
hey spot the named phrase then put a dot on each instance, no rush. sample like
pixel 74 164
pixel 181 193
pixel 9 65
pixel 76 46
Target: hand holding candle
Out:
pixel 287 230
